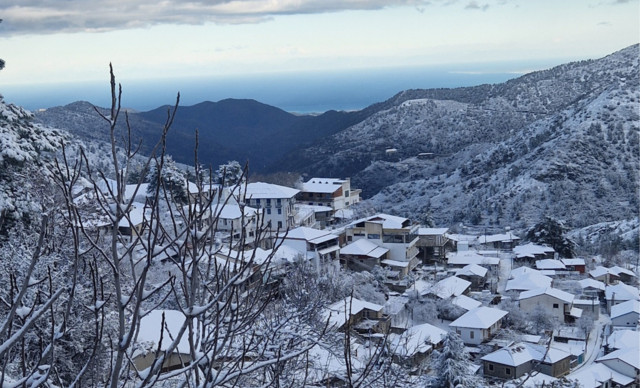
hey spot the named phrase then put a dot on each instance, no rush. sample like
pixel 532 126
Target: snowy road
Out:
pixel 594 345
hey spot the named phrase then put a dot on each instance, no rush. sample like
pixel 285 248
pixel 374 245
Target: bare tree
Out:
pixel 118 261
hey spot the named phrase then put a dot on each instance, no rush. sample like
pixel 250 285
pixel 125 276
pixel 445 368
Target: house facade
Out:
pixel 277 203
pixel 331 192
pixel 397 234
pixel 557 302
pixel 321 247
pixel 478 325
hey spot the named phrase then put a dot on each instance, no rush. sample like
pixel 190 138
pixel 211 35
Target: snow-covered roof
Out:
pixel 417 339
pixel 470 257
pixel 472 270
pixel 528 281
pixel 599 271
pixel 553 264
pixel 501 237
pixel 313 208
pixel 620 292
pixel 574 261
pixel 336 312
pixel 531 249
pixel 395 263
pixel 622 339
pixel 553 292
pixel 261 190
pixel 322 185
pixel 136 216
pixel 479 318
pixel 619 270
pixel 363 247
pixel 592 283
pixel 448 287
pixel 522 271
pixel 432 231
pixel 596 374
pixel 630 356
pixel 232 211
pixel 630 306
pixel 151 329
pixel 311 235
pixel 521 353
pixel 466 302
pixel 388 221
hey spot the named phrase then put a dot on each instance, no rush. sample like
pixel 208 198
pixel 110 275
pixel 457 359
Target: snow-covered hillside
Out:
pixel 561 142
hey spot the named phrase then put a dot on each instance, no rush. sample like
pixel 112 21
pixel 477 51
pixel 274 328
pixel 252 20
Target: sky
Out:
pixel 73 41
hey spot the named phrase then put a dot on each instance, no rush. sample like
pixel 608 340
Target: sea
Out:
pixel 306 92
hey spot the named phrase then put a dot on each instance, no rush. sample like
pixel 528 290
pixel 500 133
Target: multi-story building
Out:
pixel 397 234
pixel 334 193
pixel 276 201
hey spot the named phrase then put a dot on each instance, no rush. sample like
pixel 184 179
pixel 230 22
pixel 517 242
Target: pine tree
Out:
pixel 551 232
pixel 450 363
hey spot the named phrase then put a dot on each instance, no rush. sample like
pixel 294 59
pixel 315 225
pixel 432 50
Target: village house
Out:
pixel 525 279
pixel 626 314
pixel 362 255
pixel 277 203
pixel 603 275
pixel 574 265
pixel 619 293
pixel 475 274
pixel 478 325
pixel 397 234
pixel 450 287
pixel 416 343
pixel 527 254
pixel 557 302
pixel 433 244
pixel 514 361
pixel 355 313
pixel 330 192
pixel 320 247
pixel 154 339
pixel 463 258
pixel 625 361
pixel 502 241
pixel 592 288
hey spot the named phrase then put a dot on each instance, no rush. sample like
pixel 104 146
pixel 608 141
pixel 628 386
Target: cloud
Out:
pixel 51 16
pixel 475 6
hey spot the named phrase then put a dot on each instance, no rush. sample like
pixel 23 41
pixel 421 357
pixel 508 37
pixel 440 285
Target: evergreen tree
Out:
pixel 173 179
pixel 551 232
pixel 450 363
pixel 229 174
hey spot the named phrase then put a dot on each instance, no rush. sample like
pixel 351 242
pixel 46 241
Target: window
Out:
pixel 279 224
pixel 507 371
pixel 555 305
pixel 346 193
pixel 258 201
pixel 373 236
pixel 279 201
pixel 268 210
pixel 491 367
pixel 279 211
pixel 472 334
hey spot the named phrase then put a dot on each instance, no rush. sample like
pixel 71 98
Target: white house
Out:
pixel 276 201
pixel 321 247
pixel 478 325
pixel 557 302
pixel 626 314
